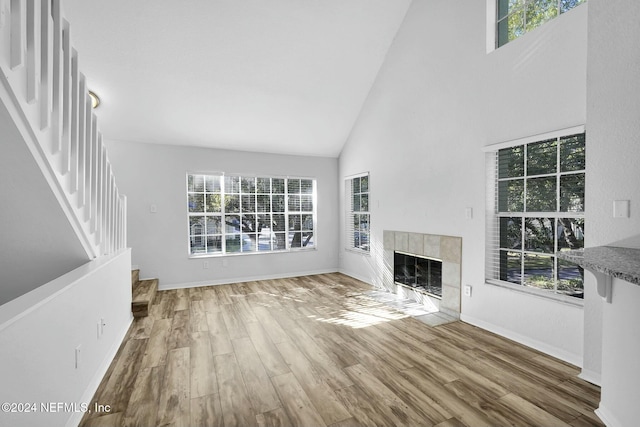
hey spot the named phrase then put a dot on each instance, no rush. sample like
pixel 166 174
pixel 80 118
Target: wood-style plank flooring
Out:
pixel 319 351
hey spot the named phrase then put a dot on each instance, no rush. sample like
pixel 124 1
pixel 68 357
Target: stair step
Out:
pixel 144 292
pixel 135 277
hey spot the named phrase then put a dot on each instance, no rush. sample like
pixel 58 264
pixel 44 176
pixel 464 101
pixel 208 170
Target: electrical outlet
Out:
pixel 467 290
pixel 78 354
pixel 205 264
pixel 100 327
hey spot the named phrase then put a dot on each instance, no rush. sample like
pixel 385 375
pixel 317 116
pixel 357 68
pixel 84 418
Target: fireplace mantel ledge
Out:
pixel 606 262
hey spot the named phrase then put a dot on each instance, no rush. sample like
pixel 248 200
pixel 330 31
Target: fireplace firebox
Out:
pixel 421 273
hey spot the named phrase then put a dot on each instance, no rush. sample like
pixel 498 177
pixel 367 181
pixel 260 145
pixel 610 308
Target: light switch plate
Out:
pixel 621 208
pixel 468 213
pixel 78 352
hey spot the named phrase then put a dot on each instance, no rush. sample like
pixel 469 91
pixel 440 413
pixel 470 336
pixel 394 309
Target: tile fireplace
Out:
pixel 419 256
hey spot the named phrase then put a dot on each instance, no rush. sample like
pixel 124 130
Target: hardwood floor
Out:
pixel 320 351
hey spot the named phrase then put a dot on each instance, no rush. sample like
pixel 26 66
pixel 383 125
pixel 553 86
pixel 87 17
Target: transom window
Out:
pixel 516 17
pixel 539 202
pixel 231 214
pixel 357 217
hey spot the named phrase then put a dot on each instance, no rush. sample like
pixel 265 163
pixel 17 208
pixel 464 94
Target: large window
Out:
pixel 537 200
pixel 231 214
pixel 516 17
pixel 357 217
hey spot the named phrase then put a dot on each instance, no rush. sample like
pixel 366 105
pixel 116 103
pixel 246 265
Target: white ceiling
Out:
pixel 278 76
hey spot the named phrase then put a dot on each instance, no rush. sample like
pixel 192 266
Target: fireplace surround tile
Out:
pixel 416 244
pixel 402 242
pixel 451 274
pixel 432 246
pixel 450 248
pixel 389 239
pixel 450 303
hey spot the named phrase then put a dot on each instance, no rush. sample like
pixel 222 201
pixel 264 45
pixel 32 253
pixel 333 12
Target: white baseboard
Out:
pixel 91 389
pixel 366 280
pixel 607 417
pixel 165 287
pixel 574 359
pixel 591 376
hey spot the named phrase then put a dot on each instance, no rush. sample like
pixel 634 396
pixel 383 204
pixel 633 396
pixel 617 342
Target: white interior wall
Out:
pixel 37 241
pixel 612 121
pixel 40 331
pixel 438 99
pixel 613 152
pixel 156 174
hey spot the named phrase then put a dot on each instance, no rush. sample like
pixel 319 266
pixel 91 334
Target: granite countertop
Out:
pixel 623 263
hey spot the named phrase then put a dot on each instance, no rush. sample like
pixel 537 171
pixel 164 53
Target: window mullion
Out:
pixel 556 273
pixel 558 173
pixel 525 179
pixel 522 246
pixel 223 213
pixel 524 209
pixel 556 276
pixel 287 243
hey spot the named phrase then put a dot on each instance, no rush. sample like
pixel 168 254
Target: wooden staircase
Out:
pixel 143 292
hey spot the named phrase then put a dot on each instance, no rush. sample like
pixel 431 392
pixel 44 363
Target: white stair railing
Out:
pixel 46 95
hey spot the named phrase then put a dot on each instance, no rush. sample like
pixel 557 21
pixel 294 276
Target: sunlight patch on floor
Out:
pixel 356 319
pixel 375 307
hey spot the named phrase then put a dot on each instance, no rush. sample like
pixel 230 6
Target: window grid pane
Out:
pixel 239 214
pixel 516 17
pixel 358 216
pixel 547 177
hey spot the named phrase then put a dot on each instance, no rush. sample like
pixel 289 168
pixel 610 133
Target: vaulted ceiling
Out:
pixel 277 76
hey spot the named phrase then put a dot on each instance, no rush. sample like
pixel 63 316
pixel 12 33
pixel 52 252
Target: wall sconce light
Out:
pixel 95 100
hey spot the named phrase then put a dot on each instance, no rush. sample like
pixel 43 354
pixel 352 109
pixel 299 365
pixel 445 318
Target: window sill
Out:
pixel 562 299
pixel 219 255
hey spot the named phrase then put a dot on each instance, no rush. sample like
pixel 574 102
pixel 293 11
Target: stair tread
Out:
pixel 145 290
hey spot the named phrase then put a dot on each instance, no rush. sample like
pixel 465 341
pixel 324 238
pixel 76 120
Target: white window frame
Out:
pixel 493 216
pixel 350 213
pixel 492 23
pixel 289 215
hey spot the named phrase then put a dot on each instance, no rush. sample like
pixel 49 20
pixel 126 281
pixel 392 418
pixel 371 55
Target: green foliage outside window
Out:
pixel 241 214
pixel 516 17
pixel 540 203
pixel 359 232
